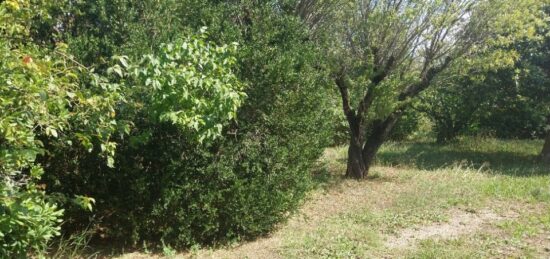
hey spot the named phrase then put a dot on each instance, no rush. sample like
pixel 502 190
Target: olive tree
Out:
pixel 387 52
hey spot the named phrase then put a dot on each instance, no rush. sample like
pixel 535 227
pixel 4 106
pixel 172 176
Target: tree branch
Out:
pixel 425 81
pixel 344 93
pixel 367 100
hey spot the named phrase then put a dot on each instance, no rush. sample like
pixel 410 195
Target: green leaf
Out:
pixel 110 162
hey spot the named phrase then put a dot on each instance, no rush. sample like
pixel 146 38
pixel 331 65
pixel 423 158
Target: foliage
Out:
pixel 28 221
pixel 44 99
pixel 237 174
pixel 501 90
pixel 506 103
pixel 129 118
pixel 53 104
pixel 407 126
pixel 189 83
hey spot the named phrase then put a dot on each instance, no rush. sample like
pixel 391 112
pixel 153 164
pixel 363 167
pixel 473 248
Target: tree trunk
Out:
pixel 381 131
pixel 356 166
pixel 545 154
pixel 371 148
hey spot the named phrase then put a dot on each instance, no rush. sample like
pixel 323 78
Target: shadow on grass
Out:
pixel 430 156
pixel 323 178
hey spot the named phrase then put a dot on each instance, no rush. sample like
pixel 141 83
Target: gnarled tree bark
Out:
pixel 360 155
pixel 356 167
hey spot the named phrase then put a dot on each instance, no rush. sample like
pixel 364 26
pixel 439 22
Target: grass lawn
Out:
pixel 477 198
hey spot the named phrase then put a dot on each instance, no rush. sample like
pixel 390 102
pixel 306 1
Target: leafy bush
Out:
pixel 28 221
pixel 246 175
pixel 44 101
pixel 185 170
pixel 407 126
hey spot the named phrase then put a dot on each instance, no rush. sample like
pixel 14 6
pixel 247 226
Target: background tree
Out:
pixel 480 96
pixel 502 90
pixel 396 43
pixel 388 52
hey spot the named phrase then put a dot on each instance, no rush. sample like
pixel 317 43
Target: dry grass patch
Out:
pixel 460 223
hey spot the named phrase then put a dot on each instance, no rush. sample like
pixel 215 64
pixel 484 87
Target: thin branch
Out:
pixel 344 93
pixel 425 81
pixel 71 59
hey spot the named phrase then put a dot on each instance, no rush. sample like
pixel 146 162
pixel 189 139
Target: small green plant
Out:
pixel 27 223
pixel 73 246
pixel 167 250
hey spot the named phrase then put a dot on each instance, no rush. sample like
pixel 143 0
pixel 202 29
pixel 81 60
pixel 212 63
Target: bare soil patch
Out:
pixel 460 223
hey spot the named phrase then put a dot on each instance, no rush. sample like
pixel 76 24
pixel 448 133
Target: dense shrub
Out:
pixel 167 185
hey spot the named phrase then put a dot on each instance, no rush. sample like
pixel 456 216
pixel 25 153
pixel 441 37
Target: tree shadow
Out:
pixel 323 178
pixel 430 156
